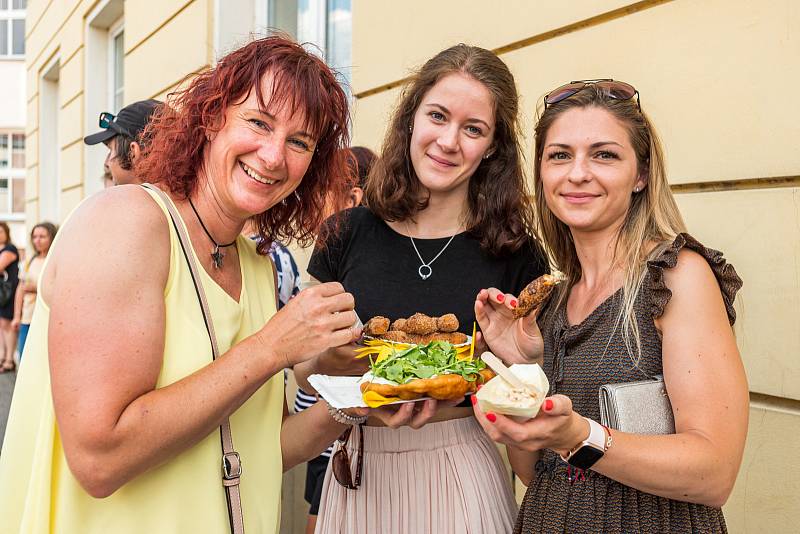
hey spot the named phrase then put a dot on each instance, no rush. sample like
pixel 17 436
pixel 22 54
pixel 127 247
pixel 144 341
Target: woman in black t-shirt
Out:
pixel 9 271
pixel 448 214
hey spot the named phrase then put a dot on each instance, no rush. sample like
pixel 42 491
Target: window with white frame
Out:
pixel 12 28
pixel 324 23
pixel 104 80
pixel 12 173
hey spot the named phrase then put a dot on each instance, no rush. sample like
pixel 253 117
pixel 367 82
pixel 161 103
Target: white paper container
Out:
pixel 344 391
pixel 499 396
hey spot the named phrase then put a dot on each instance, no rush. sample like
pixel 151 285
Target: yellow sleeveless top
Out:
pixel 38 492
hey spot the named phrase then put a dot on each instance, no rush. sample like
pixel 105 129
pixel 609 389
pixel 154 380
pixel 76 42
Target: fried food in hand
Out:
pixel 443 387
pixel 418 329
pixel 456 338
pixel 377 326
pixel 419 323
pixel 399 324
pixel 534 294
pixel 398 336
pixel 447 323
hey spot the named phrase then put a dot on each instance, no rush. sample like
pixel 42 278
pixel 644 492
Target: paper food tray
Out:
pixel 343 391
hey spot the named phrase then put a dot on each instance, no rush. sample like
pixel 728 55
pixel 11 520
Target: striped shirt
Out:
pixel 289 286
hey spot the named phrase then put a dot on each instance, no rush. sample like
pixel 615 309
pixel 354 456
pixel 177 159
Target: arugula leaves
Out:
pixel 425 361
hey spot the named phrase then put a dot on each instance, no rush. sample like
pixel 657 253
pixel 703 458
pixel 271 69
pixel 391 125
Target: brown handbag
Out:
pixel 231 462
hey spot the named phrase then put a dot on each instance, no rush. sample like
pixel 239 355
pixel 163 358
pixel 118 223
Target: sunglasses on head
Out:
pixel 610 88
pixel 106 119
pixel 341 460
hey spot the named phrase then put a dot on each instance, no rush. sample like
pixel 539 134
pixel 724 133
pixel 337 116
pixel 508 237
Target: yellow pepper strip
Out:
pixel 472 343
pixel 376 400
pixel 467 351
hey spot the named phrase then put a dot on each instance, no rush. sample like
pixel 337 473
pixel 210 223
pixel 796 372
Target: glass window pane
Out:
pixel 3 151
pixel 19 4
pixel 283 15
pixel 18 151
pixel 18 195
pixel 4 37
pixel 3 4
pixel 340 36
pixel 119 70
pixel 4 195
pixel 18 44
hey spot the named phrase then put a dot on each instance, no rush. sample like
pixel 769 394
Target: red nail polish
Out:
pixel 501 297
pixel 479 386
pixel 491 417
pixel 473 399
pixel 513 303
pixel 548 405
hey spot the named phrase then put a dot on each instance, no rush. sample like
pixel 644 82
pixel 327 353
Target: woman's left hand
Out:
pixel 557 427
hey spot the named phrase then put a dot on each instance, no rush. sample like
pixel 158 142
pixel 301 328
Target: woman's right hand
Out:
pixel 511 339
pixel 315 319
pixel 15 324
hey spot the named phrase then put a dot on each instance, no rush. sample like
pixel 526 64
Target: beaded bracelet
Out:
pixel 340 417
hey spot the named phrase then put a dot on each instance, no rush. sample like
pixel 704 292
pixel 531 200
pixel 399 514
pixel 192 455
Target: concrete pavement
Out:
pixel 6 390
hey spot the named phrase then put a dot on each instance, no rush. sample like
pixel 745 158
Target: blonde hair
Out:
pixel 652 218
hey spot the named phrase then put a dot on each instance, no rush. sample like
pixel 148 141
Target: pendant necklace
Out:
pixel 425 271
pixel 216 256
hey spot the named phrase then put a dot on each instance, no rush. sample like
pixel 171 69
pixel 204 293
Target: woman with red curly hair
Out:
pixel 115 425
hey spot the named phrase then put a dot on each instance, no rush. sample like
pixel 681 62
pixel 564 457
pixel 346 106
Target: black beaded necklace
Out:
pixel 216 256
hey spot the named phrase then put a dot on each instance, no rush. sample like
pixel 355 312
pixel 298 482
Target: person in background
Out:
pixel 108 180
pixel 9 268
pixel 287 271
pixel 641 298
pixel 359 162
pixel 122 134
pixel 42 236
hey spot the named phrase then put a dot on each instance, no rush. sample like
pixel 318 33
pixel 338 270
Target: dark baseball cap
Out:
pixel 130 121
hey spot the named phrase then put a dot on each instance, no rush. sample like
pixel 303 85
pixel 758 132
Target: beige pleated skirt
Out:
pixel 445 478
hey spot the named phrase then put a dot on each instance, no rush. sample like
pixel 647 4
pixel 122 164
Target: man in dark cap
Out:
pixel 120 134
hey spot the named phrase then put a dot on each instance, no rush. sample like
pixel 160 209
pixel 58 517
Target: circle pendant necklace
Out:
pixel 425 270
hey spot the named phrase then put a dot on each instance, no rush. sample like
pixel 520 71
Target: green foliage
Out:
pixel 425 361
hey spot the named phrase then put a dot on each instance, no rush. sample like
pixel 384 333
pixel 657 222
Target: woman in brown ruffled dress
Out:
pixel 641 298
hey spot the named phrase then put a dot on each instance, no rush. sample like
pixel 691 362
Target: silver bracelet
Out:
pixel 340 417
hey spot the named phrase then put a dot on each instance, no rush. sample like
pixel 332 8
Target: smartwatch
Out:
pixel 590 450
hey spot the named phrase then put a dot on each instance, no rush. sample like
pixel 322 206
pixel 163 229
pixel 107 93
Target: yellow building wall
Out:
pixel 165 40
pixel 711 75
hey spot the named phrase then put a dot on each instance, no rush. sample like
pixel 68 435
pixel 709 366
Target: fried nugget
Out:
pixel 447 323
pixel 419 323
pixel 377 326
pixel 534 294
pixel 397 336
pixel 456 338
pixel 399 324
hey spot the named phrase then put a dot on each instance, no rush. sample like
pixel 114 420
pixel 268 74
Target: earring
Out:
pixel 486 156
pixel 636 189
pixel 410 129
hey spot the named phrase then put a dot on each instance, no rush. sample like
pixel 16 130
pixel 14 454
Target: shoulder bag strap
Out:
pixel 231 463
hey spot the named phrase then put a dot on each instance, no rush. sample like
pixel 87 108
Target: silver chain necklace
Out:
pixel 425 271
